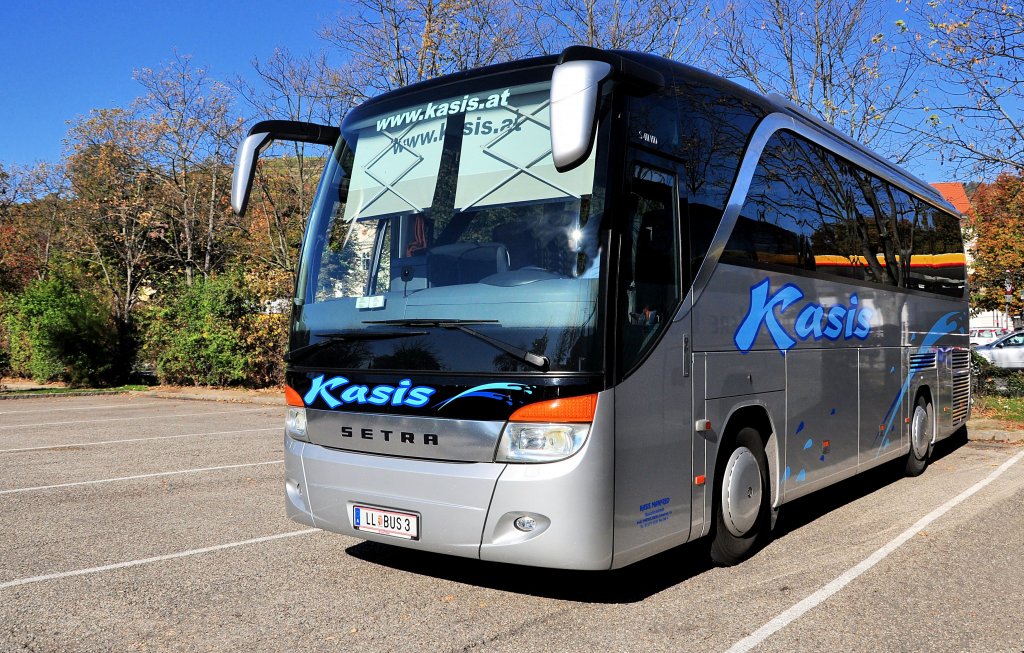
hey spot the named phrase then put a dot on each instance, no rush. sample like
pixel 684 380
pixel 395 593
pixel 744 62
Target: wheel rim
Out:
pixel 741 492
pixel 920 438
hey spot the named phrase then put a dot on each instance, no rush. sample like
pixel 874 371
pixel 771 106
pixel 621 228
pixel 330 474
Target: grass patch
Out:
pixel 35 392
pixel 1007 409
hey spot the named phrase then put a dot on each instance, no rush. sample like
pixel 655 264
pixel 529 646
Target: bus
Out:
pixel 575 310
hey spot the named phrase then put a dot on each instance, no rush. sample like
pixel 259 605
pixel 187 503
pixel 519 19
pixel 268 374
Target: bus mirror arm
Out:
pixel 627 70
pixel 260 136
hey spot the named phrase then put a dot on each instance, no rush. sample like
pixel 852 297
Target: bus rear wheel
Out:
pixel 920 437
pixel 741 500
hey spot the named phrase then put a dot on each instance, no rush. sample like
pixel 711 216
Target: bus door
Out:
pixel 653 413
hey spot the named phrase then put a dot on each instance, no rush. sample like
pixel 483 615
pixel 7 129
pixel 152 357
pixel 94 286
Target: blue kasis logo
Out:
pixel 404 394
pixel 813 321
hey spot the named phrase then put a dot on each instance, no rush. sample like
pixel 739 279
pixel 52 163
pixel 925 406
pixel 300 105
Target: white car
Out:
pixel 985 335
pixel 1006 351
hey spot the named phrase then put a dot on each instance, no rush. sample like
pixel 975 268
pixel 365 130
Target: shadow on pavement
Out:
pixel 805 510
pixel 640 580
pixel 631 584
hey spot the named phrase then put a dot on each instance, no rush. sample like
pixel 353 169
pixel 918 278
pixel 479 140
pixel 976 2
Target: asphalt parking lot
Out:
pixel 132 522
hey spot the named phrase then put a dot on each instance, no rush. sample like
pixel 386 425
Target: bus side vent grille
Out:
pixel 961 359
pixel 961 397
pixel 921 362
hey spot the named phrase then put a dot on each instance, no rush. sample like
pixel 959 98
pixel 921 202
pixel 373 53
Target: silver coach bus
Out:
pixel 575 310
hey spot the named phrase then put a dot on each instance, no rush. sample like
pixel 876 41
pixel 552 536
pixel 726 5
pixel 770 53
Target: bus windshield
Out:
pixel 449 211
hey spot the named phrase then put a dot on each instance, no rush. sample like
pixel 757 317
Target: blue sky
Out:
pixel 59 59
pixel 62 58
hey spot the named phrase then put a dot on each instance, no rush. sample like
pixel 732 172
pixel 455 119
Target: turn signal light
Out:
pixel 292 398
pixel 571 410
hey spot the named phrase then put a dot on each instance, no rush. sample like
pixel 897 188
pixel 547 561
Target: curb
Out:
pixel 986 435
pixel 214 396
pixel 18 394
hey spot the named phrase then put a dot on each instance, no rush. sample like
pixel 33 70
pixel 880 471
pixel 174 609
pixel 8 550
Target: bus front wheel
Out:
pixel 920 437
pixel 741 499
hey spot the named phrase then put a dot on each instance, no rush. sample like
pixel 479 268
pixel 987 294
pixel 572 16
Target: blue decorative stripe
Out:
pixel 491 391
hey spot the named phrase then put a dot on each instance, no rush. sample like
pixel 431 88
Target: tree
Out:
pixel 33 220
pixel 998 250
pixel 394 43
pixel 9 232
pixel 194 337
pixel 671 28
pixel 116 233
pixel 289 87
pixel 6 192
pixel 60 331
pixel 831 57
pixel 192 151
pixel 977 49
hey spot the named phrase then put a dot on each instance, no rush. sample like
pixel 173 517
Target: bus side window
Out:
pixel 938 263
pixel 650 265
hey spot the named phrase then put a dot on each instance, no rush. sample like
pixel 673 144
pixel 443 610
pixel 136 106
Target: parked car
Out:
pixel 986 335
pixel 1006 351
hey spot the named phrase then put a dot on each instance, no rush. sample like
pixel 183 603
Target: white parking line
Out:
pixel 122 419
pixel 132 478
pixel 146 561
pixel 92 407
pixel 812 601
pixel 155 437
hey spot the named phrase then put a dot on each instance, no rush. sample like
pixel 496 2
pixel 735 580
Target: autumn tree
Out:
pixel 33 220
pixel 975 50
pixel 998 249
pixel 834 58
pixel 116 231
pixel 8 231
pixel 195 137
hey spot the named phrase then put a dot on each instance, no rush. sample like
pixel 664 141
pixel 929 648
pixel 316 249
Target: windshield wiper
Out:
pixel 540 362
pixel 331 337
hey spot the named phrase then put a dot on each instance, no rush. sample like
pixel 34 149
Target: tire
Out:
pixel 921 435
pixel 742 500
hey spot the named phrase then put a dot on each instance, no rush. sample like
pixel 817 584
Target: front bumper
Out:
pixel 465 509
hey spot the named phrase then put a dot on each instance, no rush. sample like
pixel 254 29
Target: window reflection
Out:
pixel 811 210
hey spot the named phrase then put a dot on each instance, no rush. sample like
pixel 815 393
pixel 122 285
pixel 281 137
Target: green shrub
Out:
pixel 992 380
pixel 195 339
pixel 59 332
pixel 265 338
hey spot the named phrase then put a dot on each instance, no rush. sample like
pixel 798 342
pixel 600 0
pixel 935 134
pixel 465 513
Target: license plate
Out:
pixel 386 522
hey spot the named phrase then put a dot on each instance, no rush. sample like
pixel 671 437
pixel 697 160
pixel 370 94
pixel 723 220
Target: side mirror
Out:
pixel 574 86
pixel 260 136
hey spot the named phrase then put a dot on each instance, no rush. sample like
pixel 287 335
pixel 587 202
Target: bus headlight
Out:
pixel 295 423
pixel 546 431
pixel 540 443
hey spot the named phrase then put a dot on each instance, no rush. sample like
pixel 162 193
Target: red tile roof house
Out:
pixel 955 194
